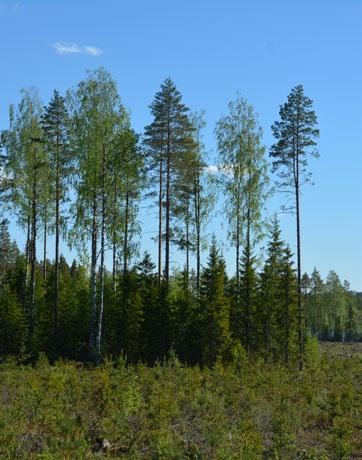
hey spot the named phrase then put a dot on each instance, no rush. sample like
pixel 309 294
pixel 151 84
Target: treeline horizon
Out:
pixel 77 170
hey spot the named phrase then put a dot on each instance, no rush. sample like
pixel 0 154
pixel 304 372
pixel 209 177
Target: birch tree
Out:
pixel 244 181
pixel 97 116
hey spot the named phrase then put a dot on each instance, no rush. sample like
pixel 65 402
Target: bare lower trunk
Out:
pixel 286 323
pixel 160 223
pixel 101 267
pixel 31 306
pixel 45 248
pixel 93 282
pixel 167 231
pixel 187 245
pixel 27 254
pixel 56 270
pixel 300 307
pixel 125 240
pixel 248 287
pixel 101 295
pixel 198 231
pixel 114 262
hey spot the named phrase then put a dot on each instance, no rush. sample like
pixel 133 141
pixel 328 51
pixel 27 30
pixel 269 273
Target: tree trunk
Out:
pixel 198 230
pixel 101 267
pixel 168 206
pixel 45 247
pixel 237 255
pixel 93 281
pixel 114 262
pixel 56 264
pixel 27 252
pixel 125 239
pixel 248 293
pixel 160 221
pixel 31 306
pixel 187 244
pixel 286 322
pixel 300 311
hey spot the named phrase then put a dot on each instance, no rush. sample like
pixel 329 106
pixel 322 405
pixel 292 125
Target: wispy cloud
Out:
pixel 75 48
pixel 212 169
pixel 220 168
pixel 9 7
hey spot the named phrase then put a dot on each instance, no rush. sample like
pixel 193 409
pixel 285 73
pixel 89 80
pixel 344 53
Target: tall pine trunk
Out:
pixel 299 268
pixel 300 308
pixel 160 220
pixel 187 243
pixel 114 262
pixel 56 263
pixel 45 246
pixel 168 206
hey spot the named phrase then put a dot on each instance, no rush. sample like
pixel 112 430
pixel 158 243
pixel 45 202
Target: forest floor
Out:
pixel 245 410
pixel 341 349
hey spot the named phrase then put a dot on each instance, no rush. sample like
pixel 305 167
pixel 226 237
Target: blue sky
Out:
pixel 213 49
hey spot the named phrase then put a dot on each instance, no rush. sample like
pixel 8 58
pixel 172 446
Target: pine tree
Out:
pixel 295 138
pixel 167 139
pixel 55 126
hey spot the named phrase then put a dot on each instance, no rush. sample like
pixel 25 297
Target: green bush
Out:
pixel 246 410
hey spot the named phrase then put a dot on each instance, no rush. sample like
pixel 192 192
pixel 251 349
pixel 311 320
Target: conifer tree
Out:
pixel 167 139
pixel 8 250
pixel 194 198
pixel 214 308
pixel 12 322
pixel 271 295
pixel 55 126
pixel 295 136
pixel 289 305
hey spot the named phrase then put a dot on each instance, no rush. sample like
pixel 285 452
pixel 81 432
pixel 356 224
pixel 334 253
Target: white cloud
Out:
pixel 75 48
pixel 212 169
pixel 220 168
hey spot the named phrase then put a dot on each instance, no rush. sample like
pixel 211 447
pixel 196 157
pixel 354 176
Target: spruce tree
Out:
pixel 8 250
pixel 270 293
pixel 214 308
